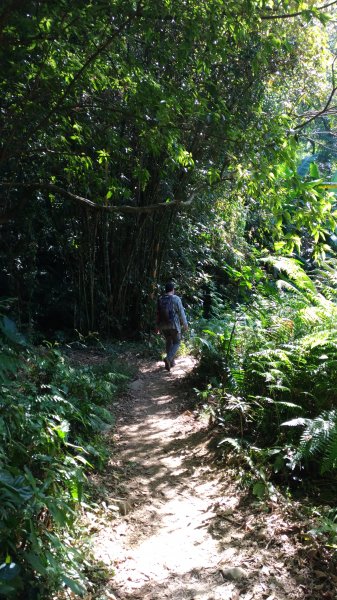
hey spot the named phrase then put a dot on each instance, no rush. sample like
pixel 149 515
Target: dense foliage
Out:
pixel 52 420
pixel 116 116
pixel 270 373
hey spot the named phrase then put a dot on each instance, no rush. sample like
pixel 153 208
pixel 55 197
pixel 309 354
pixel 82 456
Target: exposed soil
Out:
pixel 177 526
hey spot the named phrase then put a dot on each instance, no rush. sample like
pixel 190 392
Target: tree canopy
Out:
pixel 118 115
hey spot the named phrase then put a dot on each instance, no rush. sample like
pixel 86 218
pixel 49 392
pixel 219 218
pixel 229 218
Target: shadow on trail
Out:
pixel 158 465
pixel 183 519
pixel 192 585
pixel 170 466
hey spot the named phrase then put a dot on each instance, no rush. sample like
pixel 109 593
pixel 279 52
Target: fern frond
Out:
pixel 312 315
pixel 279 387
pixel 267 400
pixel 330 452
pixel 281 328
pixel 282 284
pixel 320 338
pixel 299 421
pixel 293 270
pixel 316 434
pixel 234 442
pixel 319 439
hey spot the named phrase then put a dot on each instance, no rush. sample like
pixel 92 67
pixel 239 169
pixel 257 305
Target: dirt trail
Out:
pixel 180 532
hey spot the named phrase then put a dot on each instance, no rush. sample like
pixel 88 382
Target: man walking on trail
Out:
pixel 171 318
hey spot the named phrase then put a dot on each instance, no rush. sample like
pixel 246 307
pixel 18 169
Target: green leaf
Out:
pixel 74 585
pixel 314 172
pixel 15 486
pixel 213 175
pixel 260 489
pixel 6 590
pixel 35 561
pixel 60 516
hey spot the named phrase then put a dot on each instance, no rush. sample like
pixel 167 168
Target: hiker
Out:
pixel 171 318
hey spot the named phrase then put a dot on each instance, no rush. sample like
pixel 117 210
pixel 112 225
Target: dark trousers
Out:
pixel 172 339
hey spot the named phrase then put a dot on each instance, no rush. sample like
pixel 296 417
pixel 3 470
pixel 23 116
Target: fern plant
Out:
pixel 282 362
pixel 318 440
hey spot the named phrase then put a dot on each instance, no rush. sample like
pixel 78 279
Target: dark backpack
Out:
pixel 166 312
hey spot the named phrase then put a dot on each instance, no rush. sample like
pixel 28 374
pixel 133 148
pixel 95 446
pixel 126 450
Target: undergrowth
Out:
pixel 52 421
pixel 267 378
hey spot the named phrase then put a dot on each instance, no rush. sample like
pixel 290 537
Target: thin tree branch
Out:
pixel 323 110
pixel 332 111
pixel 299 13
pixel 320 112
pixel 150 208
pixel 332 132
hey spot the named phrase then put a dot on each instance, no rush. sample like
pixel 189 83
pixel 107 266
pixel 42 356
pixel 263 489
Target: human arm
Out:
pixel 181 313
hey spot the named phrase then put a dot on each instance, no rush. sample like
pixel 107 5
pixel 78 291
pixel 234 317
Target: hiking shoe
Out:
pixel 167 364
pixel 173 363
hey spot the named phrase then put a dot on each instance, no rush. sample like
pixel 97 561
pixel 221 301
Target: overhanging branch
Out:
pixel 119 209
pixel 313 9
pixel 319 113
pixel 150 208
pixel 314 115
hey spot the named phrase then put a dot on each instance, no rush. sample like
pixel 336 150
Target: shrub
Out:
pixel 51 415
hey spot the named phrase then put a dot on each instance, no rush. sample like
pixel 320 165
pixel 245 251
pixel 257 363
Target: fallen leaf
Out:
pixel 320 574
